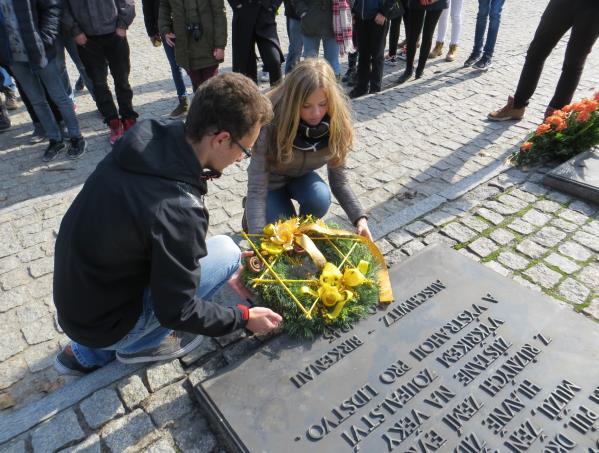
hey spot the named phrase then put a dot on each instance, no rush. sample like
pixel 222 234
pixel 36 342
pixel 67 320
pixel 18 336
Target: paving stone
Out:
pixel 491 216
pixel 593 309
pixel 412 247
pixel 558 197
pixel 439 218
pixel 543 276
pixel 397 256
pixel 168 404
pixel 474 223
pixel 512 260
pixel 164 445
pixel 588 240
pixel 207 370
pixel 12 343
pixel 40 330
pixel 563 264
pixel 497 268
pixel 193 435
pixel 419 228
pixel 384 246
pixel 548 236
pixel 89 445
pixel 562 224
pixel 57 432
pixel 502 236
pixel 483 247
pixel 468 254
pixel 547 206
pixel 12 370
pixel 575 251
pixel 590 276
pixel 583 208
pixel 31 312
pixel 533 188
pixel 12 279
pixel 132 391
pixel 458 232
pixel 573 216
pixel 573 291
pixel 592 227
pixel 399 238
pixel 527 283
pixel 130 433
pixel 102 406
pixel 436 238
pixel 8 263
pixel 14 447
pixel 503 209
pixel 41 267
pixel 13 298
pixel 525 196
pixel 231 337
pixel 531 249
pixel 511 200
pixel 537 218
pixel 164 373
pixel 41 356
pixel 522 227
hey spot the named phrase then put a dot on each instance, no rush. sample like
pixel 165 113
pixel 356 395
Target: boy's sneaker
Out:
pixel 507 112
pixel 391 61
pixel 38 135
pixel 177 344
pixel 402 53
pixel 77 148
pixel 11 100
pixel 181 109
pixel 473 58
pixel 66 363
pixel 483 64
pixel 128 123
pixel 348 74
pixel 53 150
pixel 116 130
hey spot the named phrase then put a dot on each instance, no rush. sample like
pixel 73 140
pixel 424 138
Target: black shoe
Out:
pixel 4 118
pixel 181 109
pixel 79 85
pixel 374 90
pixel 53 150
pixel 407 75
pixel 357 92
pixel 484 63
pixel 66 363
pixel 177 344
pixel 418 73
pixel 473 58
pixel 349 74
pixel 77 148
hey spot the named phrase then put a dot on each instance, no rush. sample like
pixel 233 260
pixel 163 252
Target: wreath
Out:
pixel 315 275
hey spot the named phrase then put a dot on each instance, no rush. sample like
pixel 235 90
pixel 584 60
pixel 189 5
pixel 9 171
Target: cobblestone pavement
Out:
pixel 415 145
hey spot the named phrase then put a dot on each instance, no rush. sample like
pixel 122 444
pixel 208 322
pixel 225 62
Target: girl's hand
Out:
pixel 219 54
pixel 170 39
pixel 362 228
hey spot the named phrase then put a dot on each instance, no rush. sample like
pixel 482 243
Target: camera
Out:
pixel 195 30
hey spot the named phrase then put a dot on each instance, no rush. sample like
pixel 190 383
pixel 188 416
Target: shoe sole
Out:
pixel 50 159
pixel 507 118
pixel 158 358
pixel 58 366
pixel 78 156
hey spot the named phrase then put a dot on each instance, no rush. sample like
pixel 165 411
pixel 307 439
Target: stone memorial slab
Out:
pixel 464 360
pixel 578 176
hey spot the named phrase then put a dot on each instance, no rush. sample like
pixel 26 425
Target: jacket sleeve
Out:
pixel 150 10
pixel 69 24
pixel 255 207
pixel 219 18
pixel 344 194
pixel 177 244
pixel 301 7
pixel 126 13
pixel 165 20
pixel 235 4
pixel 49 20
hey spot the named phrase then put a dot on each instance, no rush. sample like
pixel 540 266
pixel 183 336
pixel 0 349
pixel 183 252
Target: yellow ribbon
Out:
pixel 281 236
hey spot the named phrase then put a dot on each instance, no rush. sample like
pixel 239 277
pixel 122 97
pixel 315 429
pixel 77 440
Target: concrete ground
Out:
pixel 427 165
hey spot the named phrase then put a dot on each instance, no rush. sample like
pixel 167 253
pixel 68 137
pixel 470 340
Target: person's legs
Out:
pixel 279 205
pixel 312 194
pixel 61 64
pixel 377 34
pixel 271 59
pixel 484 7
pixel 414 30
pixel 294 33
pixel 584 34
pixel 71 47
pixel 456 21
pixel 199 76
pixel 117 52
pixel 555 22
pixel 362 30
pixel 443 21
pixel 311 46
pixel 430 23
pixel 331 54
pixel 175 70
pixel 494 21
pixel 394 36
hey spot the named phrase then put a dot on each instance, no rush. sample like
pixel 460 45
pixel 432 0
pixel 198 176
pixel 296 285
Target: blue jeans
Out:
pixel 31 81
pixel 175 69
pixel 487 9
pixel 310 191
pixel 331 50
pixel 218 266
pixel 65 42
pixel 294 32
pixel 6 80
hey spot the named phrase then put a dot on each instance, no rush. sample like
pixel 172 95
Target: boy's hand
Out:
pixel 219 54
pixel 263 320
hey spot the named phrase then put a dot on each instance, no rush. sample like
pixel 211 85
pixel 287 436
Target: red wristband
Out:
pixel 245 312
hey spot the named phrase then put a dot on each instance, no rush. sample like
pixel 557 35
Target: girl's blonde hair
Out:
pixel 287 99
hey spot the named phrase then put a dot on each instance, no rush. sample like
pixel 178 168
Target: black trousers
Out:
pixel 425 22
pixel 99 54
pixel 394 29
pixel 371 53
pixel 582 16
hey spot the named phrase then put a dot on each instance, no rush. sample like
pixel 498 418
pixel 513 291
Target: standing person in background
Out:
pixel 487 10
pixel 151 9
pixel 582 16
pixel 424 15
pixel 294 33
pixel 99 29
pixel 254 25
pixel 456 26
pixel 394 26
pixel 372 24
pixel 197 30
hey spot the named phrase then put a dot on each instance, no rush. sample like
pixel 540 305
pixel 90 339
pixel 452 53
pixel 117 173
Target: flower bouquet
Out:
pixel 315 276
pixel 563 134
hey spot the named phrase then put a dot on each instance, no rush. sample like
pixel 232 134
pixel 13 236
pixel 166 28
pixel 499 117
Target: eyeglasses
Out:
pixel 246 151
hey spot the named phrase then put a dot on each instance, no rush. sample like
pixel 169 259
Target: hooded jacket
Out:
pixel 139 222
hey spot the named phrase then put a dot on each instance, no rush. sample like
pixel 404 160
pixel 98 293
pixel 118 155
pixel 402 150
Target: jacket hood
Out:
pixel 159 148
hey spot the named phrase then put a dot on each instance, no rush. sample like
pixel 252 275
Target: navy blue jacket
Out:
pixel 368 9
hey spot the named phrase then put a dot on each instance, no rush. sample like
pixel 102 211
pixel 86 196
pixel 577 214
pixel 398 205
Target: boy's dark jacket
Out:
pixel 368 9
pixel 139 222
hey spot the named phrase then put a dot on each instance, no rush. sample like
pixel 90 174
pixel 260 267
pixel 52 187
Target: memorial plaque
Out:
pixel 464 360
pixel 578 176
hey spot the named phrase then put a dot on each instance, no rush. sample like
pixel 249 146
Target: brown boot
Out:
pixel 437 50
pixel 453 51
pixel 507 112
pixel 11 100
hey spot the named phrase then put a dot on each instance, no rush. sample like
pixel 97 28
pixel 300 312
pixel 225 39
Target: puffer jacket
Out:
pixel 209 15
pixel 97 17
